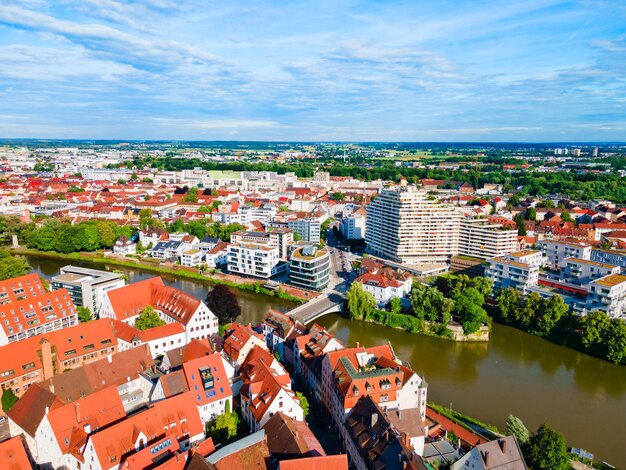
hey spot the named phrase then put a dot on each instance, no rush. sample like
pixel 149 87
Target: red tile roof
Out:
pixel 13 454
pixel 213 365
pixel 130 300
pixel 327 462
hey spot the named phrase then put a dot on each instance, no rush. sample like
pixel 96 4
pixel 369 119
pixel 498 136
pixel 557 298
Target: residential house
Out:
pixel 172 305
pixel 123 246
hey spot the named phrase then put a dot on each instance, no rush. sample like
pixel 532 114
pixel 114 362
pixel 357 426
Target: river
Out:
pixel 514 373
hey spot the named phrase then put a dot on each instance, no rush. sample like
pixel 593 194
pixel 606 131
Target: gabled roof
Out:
pixel 85 416
pixel 244 454
pixel 327 462
pixel 171 418
pixel 237 337
pixel 30 409
pixel 288 437
pixel 13 454
pixel 130 300
pixel 207 379
pixel 112 370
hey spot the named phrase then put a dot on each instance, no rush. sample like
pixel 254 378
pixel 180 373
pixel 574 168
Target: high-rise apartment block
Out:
pixel 405 225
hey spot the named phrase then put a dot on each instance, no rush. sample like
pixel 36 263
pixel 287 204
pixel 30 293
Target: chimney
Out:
pixel 77 408
pixel 46 359
pixel 47 410
pixel 374 419
pixel 358 345
pixel 110 359
pixel 87 428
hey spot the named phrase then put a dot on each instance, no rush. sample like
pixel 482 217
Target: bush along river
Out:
pixel 514 373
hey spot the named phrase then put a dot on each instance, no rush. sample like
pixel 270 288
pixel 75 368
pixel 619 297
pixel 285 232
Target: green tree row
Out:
pixel 594 333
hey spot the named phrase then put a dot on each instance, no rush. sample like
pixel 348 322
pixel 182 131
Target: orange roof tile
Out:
pixel 207 370
pixel 327 462
pixel 13 454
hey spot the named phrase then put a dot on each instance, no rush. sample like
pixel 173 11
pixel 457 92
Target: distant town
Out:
pixel 447 241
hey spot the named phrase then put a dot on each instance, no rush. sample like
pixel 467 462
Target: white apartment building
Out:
pixel 508 272
pixel 353 226
pixel 253 260
pixel 308 228
pixel 582 271
pixel 483 239
pixel 386 288
pixel 279 238
pixel 310 268
pixel 403 225
pixel 555 252
pixel 191 258
pixel 618 258
pixel 609 295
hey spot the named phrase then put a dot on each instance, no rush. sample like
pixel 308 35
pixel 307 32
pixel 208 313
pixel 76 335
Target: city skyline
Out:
pixel 542 71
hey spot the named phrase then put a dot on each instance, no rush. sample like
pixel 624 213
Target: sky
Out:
pixel 445 70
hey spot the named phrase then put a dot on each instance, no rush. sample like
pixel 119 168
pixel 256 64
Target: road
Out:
pixel 340 278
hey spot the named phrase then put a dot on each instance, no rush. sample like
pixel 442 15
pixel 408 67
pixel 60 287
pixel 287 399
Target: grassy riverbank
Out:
pixel 98 258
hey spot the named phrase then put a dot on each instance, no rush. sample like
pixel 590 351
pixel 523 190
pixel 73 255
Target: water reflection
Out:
pixel 581 396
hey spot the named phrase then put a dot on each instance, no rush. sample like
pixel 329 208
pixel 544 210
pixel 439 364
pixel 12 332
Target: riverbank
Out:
pixel 410 324
pixel 177 271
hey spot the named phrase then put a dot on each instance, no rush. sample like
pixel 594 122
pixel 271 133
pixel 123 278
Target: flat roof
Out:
pixel 611 280
pixel 591 263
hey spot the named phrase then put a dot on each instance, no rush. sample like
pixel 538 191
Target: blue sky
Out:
pixel 446 70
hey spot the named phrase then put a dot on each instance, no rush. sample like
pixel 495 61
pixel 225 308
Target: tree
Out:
pixel 9 399
pixel 360 302
pixel 547 204
pixel 531 214
pixel 106 232
pixel 296 237
pixel 595 326
pixel 546 449
pixel 223 303
pixel 338 196
pixel 304 403
pixel 84 314
pixel 566 217
pixel 192 195
pixel 616 344
pixel 12 266
pixel 468 306
pixel 515 426
pixel 133 176
pixel 552 309
pixel 224 428
pixel 521 225
pixel 121 181
pixel 527 312
pixel 508 301
pixel 395 305
pixel 430 304
pixel 148 318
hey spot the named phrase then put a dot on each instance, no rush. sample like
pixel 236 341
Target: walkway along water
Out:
pixel 514 373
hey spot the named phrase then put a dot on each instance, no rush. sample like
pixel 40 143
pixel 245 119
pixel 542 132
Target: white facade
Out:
pixel 353 227
pixel 509 273
pixel 609 295
pixel 555 252
pixel 191 258
pixel 403 225
pixel 383 289
pixel 253 260
pixel 482 239
pixel 308 228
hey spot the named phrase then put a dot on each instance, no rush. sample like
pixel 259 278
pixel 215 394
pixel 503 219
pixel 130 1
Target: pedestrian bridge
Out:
pixel 318 307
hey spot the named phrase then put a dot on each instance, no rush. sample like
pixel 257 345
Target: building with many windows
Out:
pixel 27 310
pixel 310 267
pixel 278 238
pixel 307 227
pixel 86 286
pixel 404 225
pixel 555 251
pixel 609 295
pixel 480 238
pixel 510 272
pixel 254 260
